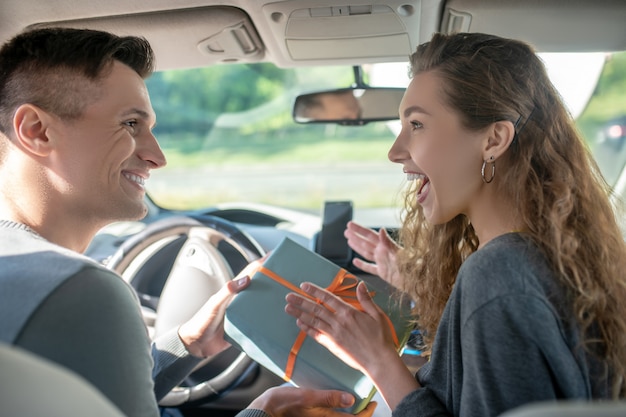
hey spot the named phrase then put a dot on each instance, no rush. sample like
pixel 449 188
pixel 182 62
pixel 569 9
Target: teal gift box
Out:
pixel 257 324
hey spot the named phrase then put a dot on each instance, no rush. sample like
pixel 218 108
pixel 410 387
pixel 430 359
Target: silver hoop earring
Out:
pixel 493 171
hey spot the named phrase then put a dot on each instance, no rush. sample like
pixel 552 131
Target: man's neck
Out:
pixel 71 235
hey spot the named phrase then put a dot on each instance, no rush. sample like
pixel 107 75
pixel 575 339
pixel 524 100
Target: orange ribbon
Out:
pixel 343 285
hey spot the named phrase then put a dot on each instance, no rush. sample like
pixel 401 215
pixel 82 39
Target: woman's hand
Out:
pixel 378 249
pixel 356 337
pixel 362 339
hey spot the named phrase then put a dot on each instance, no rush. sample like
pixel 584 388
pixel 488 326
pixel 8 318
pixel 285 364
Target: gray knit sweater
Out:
pixel 71 310
pixel 506 338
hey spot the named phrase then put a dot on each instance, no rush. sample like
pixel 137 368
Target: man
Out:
pixel 76 148
pixel 333 105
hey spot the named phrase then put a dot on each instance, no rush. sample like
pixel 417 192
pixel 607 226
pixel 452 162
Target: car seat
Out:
pixel 33 386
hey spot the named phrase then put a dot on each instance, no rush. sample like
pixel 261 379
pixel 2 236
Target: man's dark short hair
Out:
pixel 57 69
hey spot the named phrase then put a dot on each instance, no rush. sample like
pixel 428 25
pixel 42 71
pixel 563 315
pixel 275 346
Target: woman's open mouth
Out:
pixel 423 185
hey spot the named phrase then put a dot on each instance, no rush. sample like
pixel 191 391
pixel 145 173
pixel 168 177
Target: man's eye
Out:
pixel 131 123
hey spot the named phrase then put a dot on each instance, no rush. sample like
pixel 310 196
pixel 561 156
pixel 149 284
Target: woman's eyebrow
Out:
pixel 414 109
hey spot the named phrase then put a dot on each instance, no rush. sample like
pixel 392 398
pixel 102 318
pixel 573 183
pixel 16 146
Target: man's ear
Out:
pixel 31 124
pixel 500 137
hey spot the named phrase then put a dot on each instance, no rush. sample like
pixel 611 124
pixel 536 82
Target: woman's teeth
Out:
pixel 415 177
pixel 421 185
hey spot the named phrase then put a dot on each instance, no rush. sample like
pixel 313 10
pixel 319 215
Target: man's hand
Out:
pixel 302 402
pixel 203 334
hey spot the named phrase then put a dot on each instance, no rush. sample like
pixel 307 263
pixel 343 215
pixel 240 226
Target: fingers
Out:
pixel 226 293
pixel 336 303
pixel 213 309
pixel 312 317
pixel 387 241
pixel 303 402
pixel 315 317
pixel 369 410
pixel 359 236
pixel 202 334
pixel 384 236
pixel 321 402
pixel 370 268
pixel 252 267
pixel 366 300
pixel 370 244
pixel 242 280
pixel 328 299
pixel 238 284
pixel 331 399
pixel 357 229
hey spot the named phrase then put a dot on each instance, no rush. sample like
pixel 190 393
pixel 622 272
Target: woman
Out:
pixel 509 245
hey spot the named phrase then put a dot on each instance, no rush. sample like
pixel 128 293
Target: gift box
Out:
pixel 256 321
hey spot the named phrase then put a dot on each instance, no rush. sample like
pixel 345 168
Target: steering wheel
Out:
pixel 176 264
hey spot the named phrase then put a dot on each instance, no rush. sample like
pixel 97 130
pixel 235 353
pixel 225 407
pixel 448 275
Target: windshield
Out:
pixel 229 137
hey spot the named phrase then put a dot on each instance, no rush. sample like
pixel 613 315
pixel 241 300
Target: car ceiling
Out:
pixel 331 32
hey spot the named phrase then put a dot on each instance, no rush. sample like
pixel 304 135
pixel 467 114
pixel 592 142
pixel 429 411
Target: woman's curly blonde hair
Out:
pixel 563 201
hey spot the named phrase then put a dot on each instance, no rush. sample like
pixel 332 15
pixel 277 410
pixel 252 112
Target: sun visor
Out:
pixel 560 26
pixel 359 32
pixel 197 36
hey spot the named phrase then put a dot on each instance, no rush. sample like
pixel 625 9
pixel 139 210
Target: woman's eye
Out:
pixel 416 125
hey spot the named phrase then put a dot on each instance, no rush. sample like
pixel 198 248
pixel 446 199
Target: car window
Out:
pixel 229 136
pixel 603 121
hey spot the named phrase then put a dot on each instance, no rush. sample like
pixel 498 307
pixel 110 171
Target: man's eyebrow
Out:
pixel 414 109
pixel 139 112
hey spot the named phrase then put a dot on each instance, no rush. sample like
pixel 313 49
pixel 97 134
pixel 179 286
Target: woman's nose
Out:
pixel 397 153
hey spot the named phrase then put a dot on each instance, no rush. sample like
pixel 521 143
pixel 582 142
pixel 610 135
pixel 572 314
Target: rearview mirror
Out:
pixel 348 106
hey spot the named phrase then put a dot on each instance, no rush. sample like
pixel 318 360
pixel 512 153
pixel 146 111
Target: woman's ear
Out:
pixel 500 137
pixel 31 124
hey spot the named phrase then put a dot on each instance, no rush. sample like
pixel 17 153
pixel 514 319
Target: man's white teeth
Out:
pixel 135 178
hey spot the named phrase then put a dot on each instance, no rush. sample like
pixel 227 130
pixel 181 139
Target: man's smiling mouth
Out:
pixel 135 178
